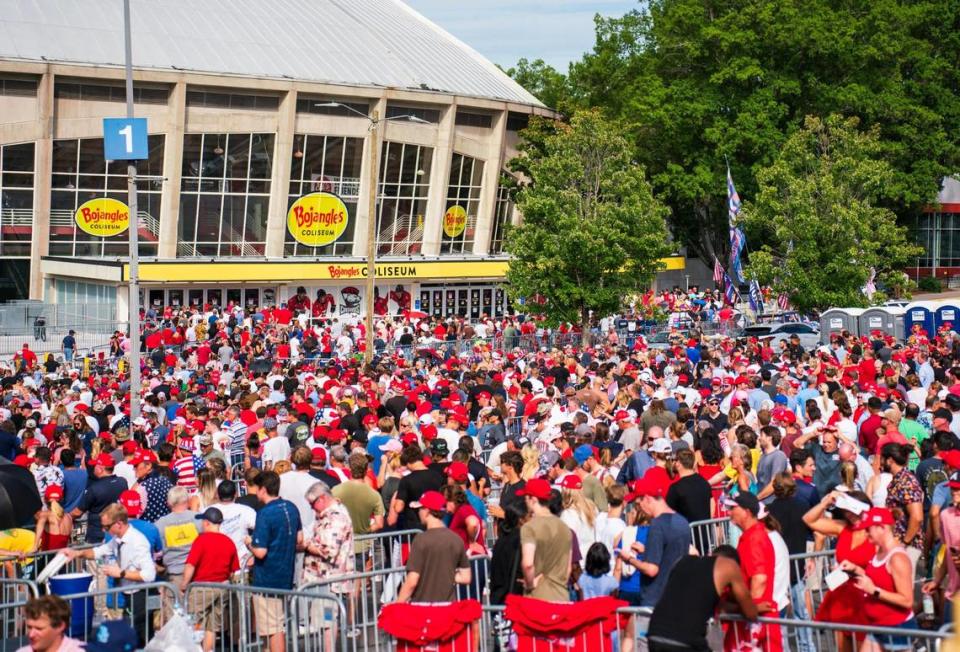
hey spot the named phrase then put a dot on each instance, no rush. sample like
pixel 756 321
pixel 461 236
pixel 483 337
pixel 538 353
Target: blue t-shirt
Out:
pixel 276 530
pixel 631 584
pixel 596 587
pixel 373 450
pixel 74 484
pixel 667 543
pixel 478 506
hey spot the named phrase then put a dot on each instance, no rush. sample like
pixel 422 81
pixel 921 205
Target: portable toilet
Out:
pixel 947 312
pixel 886 319
pixel 837 320
pixel 922 314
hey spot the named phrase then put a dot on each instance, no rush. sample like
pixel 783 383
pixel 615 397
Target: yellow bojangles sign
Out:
pixel 103 217
pixel 317 219
pixel 454 221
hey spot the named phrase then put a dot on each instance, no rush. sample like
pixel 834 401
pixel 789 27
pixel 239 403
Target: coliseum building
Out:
pixel 251 105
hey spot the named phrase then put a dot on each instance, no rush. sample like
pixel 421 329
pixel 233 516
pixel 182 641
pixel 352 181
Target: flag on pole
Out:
pixel 737 239
pixel 756 297
pixel 871 287
pixel 717 271
pixel 783 302
pixel 730 292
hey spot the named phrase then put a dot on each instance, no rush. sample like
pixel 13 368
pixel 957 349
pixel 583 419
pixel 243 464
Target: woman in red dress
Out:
pixel 54 526
pixel 843 604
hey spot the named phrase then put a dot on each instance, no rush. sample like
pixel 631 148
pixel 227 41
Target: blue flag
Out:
pixel 737 239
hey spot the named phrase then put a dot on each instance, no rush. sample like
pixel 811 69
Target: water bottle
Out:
pixel 928 605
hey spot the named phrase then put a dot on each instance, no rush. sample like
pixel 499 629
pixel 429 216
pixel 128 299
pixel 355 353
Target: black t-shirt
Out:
pixel 509 493
pixel 411 488
pixel 789 513
pixel 718 422
pixel 324 477
pixel 396 405
pixel 690 497
pixel 99 494
pixel 478 470
pixel 561 374
pixel 298 433
pixel 250 501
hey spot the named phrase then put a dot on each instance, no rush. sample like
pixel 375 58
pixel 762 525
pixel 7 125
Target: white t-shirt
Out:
pixel 586 535
pixel 608 529
pixel 293 487
pixel 238 522
pixel 126 471
pixel 781 570
pixel 493 462
pixel 276 449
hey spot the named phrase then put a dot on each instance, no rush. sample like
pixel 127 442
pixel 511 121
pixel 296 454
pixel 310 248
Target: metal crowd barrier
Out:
pixel 239 617
pixel 382 550
pixel 707 535
pixel 30 565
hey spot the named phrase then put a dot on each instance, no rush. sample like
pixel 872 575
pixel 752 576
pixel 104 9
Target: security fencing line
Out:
pixel 707 535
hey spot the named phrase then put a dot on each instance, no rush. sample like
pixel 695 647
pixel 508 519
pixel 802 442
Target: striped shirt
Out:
pixel 238 438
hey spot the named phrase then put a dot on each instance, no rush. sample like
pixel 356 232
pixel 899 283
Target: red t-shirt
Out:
pixel 757 558
pixel 214 556
pixel 868 432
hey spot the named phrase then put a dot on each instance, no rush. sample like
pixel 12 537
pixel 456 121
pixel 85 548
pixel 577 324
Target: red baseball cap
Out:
pixel 621 415
pixel 484 394
pixel 409 438
pixel 319 456
pixel 951 458
pixel 458 471
pixel 53 492
pixel 536 487
pixel 649 485
pixel 23 460
pixel 131 500
pixel 571 481
pixel 432 500
pixel 875 516
pixel 144 456
pixel 105 460
pixel 130 447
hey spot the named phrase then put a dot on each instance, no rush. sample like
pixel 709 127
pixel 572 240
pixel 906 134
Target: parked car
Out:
pixel 809 336
pixel 667 339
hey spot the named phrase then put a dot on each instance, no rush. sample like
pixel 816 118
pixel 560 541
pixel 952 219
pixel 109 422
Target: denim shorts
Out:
pixel 892 641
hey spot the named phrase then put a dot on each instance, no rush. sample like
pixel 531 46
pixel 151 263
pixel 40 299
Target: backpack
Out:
pixel 934 477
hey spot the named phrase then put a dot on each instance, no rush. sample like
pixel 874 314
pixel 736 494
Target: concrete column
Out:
pixel 363 201
pixel 490 184
pixel 280 178
pixel 172 169
pixel 439 179
pixel 42 179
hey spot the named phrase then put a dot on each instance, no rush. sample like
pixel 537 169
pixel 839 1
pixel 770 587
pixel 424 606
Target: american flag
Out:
pixel 783 301
pixel 737 238
pixel 717 271
pixel 730 292
pixel 756 297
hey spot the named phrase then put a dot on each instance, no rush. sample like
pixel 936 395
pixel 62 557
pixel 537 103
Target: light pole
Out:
pixel 374 120
pixel 134 300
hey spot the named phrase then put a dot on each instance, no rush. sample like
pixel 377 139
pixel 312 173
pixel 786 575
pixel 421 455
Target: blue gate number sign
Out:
pixel 125 139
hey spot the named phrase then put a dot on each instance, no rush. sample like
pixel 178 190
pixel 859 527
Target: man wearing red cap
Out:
pixel 546 546
pixel 438 560
pixel 103 491
pixel 132 501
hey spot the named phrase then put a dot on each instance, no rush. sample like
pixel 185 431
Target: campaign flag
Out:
pixel 737 239
pixel 783 301
pixel 717 271
pixel 871 287
pixel 756 297
pixel 730 292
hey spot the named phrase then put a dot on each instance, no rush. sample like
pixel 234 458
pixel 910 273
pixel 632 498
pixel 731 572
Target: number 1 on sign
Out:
pixel 127 133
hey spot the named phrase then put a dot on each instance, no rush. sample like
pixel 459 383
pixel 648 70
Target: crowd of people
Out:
pixel 267 449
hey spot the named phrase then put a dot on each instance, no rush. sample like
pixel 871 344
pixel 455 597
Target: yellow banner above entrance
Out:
pixel 295 272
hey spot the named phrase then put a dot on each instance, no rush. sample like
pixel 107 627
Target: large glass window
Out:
pixel 501 218
pixel 80 174
pixel 404 184
pixel 224 194
pixel 459 224
pixel 16 199
pixel 326 164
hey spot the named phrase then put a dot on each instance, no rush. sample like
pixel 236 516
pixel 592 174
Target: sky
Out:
pixel 557 31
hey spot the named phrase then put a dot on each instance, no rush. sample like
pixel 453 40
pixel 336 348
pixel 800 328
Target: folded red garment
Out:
pixel 559 619
pixel 428 623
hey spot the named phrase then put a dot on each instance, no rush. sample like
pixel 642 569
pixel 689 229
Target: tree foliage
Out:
pixel 543 81
pixel 592 232
pixel 818 213
pixel 698 81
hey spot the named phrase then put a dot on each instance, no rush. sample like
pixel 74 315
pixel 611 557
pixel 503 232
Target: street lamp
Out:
pixel 374 121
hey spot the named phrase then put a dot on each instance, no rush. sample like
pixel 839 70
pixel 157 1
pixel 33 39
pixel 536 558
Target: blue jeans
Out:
pixel 68 355
pixel 892 641
pixel 804 638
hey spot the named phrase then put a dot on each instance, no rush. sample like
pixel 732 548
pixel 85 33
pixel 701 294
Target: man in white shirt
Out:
pixel 294 485
pixel 126 557
pixel 276 448
pixel 238 520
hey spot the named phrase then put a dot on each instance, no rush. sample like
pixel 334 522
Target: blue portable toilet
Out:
pixel 921 313
pixel 947 312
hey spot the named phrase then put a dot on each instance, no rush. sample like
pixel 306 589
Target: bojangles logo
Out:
pixel 317 219
pixel 103 217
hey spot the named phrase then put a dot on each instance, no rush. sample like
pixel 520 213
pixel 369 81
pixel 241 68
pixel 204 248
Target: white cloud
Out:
pixel 557 31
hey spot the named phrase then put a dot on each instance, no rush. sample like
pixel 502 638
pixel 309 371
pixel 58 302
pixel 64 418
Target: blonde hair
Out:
pixel 207 486
pixel 56 509
pixel 282 466
pixel 531 462
pixel 575 500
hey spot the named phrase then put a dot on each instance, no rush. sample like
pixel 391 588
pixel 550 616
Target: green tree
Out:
pixel 818 211
pixel 694 81
pixel 592 231
pixel 544 82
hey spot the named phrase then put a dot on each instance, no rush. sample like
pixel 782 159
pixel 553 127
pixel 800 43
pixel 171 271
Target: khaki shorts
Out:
pixel 206 607
pixel 269 615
